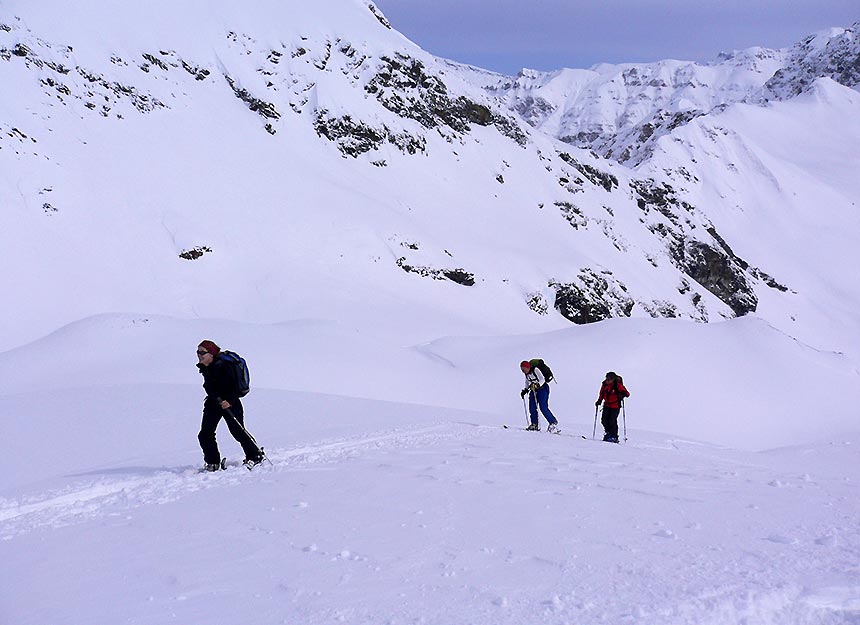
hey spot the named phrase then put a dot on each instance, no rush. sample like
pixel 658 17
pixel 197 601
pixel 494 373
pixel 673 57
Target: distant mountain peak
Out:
pixel 834 54
pixel 621 111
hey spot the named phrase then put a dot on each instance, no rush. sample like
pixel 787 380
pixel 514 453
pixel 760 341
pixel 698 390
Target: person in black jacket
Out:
pixel 222 400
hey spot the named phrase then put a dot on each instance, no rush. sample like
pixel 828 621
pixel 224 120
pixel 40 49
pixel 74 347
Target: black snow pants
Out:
pixel 609 420
pixel 212 415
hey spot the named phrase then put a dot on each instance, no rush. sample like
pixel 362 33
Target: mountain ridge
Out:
pixel 447 187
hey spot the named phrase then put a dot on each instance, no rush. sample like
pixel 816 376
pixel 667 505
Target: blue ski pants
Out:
pixel 540 398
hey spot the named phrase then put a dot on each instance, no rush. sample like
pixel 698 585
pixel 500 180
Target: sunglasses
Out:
pixel 202 352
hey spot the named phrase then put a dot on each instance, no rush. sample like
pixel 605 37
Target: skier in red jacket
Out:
pixel 612 393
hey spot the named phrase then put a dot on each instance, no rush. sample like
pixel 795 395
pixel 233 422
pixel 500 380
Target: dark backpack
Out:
pixel 240 371
pixel 544 368
pixel 618 380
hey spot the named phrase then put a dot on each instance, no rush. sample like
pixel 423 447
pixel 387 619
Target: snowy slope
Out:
pixel 412 504
pixel 384 241
pixel 786 174
pixel 742 384
pixel 454 523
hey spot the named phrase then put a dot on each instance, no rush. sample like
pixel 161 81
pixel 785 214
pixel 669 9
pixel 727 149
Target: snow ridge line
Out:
pixel 149 485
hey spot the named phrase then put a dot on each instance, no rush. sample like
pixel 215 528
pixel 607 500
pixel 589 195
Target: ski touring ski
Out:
pixel 560 433
pixel 557 432
pixel 600 440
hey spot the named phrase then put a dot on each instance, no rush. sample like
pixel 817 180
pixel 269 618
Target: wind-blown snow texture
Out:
pixel 385 235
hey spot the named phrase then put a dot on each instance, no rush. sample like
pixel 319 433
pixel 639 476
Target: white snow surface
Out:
pixel 393 495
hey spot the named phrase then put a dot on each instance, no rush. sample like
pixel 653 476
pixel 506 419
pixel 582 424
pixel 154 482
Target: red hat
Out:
pixel 210 347
pixel 525 364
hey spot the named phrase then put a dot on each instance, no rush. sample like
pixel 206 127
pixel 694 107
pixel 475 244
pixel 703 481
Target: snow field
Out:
pixel 413 505
pixel 444 519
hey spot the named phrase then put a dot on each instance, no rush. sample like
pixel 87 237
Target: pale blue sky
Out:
pixel 506 35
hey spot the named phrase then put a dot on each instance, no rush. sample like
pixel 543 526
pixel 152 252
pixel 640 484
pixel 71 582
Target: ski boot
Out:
pixel 534 427
pixel 553 428
pixel 252 462
pixel 211 467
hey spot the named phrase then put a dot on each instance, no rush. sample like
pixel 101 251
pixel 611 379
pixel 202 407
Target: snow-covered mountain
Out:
pixel 831 54
pixel 287 150
pixel 763 142
pixel 621 111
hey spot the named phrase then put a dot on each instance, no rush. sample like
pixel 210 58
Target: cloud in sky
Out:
pixel 507 35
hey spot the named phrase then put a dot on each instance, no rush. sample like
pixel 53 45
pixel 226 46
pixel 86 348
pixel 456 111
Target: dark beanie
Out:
pixel 210 347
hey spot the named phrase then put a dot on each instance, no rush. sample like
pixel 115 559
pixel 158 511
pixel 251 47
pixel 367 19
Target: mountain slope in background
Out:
pixel 762 142
pixel 621 111
pixel 239 160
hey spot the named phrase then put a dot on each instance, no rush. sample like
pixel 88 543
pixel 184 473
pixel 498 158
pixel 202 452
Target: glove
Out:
pixel 597 403
pixel 523 392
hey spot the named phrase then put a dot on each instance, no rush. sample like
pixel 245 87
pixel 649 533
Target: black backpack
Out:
pixel 240 371
pixel 544 368
pixel 619 380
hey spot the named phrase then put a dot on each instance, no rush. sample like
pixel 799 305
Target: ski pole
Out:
pixel 594 431
pixel 230 414
pixel 526 410
pixel 624 416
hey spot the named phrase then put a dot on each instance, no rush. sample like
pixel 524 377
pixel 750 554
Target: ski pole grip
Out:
pixel 227 410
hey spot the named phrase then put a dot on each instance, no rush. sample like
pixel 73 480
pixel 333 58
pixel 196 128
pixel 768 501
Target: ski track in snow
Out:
pixel 138 486
pixel 775 576
pixel 86 499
